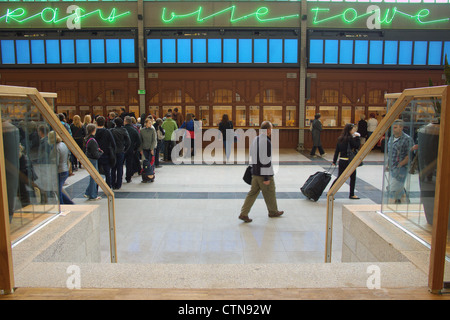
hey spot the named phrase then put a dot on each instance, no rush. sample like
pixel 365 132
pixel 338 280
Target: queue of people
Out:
pixel 119 141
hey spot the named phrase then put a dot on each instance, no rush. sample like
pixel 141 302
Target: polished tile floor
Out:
pixel 189 214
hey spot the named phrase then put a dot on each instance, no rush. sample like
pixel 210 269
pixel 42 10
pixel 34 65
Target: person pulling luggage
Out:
pixel 348 141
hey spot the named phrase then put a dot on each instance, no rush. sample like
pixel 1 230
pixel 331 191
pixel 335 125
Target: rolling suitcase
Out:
pixel 316 183
pixel 148 170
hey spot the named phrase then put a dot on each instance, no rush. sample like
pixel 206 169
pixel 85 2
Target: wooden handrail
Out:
pixel 442 205
pixel 50 116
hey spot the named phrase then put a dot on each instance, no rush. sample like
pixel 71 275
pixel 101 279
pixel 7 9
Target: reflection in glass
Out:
pixel 254 116
pixel 329 116
pixel 291 116
pixel 204 115
pixel 273 114
pixel 241 117
pixel 31 171
pixel 346 115
pixel 408 200
pixel 219 111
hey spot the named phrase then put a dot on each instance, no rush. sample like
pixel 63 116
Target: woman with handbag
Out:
pixel 347 143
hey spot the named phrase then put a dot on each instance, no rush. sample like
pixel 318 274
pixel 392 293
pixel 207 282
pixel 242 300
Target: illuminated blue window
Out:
pixel 390 52
pixel 67 51
pixel 82 51
pixel 376 52
pixel 245 51
pixel 260 51
pixel 434 53
pixel 127 50
pixel 37 52
pixel 154 50
pixel 112 51
pixel 290 51
pixel 331 51
pixel 199 51
pixel 420 53
pixel 229 51
pixel 316 51
pixel 184 50
pixel 8 52
pixel 168 51
pixel 405 53
pixel 446 51
pixel 52 51
pixel 346 52
pixel 275 51
pixel 361 51
pixel 214 50
pixel 98 51
pixel 23 51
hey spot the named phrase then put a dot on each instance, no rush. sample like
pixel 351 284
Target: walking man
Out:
pixel 399 145
pixel 262 174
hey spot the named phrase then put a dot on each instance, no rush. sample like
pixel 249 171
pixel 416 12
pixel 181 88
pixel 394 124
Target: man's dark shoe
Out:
pixel 276 214
pixel 245 219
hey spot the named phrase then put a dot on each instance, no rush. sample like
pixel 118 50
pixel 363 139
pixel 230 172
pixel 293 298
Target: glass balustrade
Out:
pixel 410 163
pixel 30 162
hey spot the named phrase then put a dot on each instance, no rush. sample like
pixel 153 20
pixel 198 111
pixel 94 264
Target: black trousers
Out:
pixel 342 166
pixel 313 151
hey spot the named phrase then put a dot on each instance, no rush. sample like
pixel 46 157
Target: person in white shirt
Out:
pixel 371 125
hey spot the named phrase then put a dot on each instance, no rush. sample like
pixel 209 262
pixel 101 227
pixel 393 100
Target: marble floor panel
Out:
pixel 189 214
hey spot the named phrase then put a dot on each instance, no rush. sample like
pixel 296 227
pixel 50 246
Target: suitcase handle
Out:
pixel 329 169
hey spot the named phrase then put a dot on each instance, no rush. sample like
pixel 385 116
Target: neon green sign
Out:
pixel 375 15
pixel 260 14
pixel 51 15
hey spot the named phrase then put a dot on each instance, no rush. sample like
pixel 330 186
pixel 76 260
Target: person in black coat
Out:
pixel 362 128
pixel 316 130
pixel 107 143
pixel 349 138
pixel 130 154
pixel 122 139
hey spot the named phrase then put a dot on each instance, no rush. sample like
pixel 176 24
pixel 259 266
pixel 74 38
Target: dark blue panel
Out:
pixel 346 52
pixel 376 52
pixel 52 51
pixel 361 51
pixel 154 50
pixel 405 53
pixel 316 51
pixel 127 50
pixel 199 50
pixel 390 52
pixel 8 52
pixel 420 53
pixel 83 51
pixel 98 51
pixel 229 50
pixel 112 51
pixel 275 51
pixel 260 55
pixel 331 51
pixel 245 51
pixel 434 52
pixel 214 50
pixel 184 50
pixel 168 51
pixel 23 51
pixel 290 51
pixel 67 51
pixel 37 52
